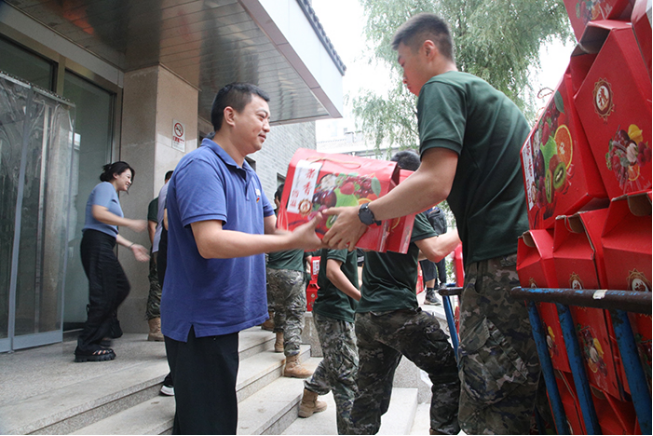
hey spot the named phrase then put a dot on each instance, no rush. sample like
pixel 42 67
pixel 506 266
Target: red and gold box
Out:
pixel 626 243
pixel 574 256
pixel 317 181
pixel 641 19
pixel 400 229
pixel 581 12
pixel 536 269
pixel 614 105
pixel 560 174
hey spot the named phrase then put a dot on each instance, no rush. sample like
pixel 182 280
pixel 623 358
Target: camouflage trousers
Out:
pixel 383 337
pixel 497 361
pixel 337 370
pixel 287 299
pixel 153 309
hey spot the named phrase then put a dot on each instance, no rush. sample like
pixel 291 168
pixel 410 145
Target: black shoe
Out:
pixel 97 355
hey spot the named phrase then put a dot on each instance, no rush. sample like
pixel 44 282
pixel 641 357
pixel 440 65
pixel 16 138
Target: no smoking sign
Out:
pixel 178 136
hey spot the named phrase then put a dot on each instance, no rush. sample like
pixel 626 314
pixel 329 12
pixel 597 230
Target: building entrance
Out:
pixel 36 161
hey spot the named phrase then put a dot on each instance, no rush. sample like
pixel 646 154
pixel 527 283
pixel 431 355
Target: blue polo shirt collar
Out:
pixel 245 171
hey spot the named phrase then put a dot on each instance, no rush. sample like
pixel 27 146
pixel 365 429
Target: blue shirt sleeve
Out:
pixel 200 192
pixel 268 209
pixel 105 193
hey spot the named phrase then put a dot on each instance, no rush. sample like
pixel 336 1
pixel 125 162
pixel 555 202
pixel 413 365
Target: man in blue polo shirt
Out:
pixel 220 224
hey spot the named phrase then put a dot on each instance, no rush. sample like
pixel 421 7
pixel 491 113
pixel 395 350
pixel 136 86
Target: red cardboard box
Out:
pixel 626 243
pixel 535 269
pixel 570 403
pixel 574 258
pixel 400 229
pixel 560 174
pixel 582 12
pixel 641 19
pixel 615 417
pixel 317 181
pixel 614 105
pixel 312 288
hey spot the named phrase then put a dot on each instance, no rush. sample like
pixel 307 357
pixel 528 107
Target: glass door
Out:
pixel 36 160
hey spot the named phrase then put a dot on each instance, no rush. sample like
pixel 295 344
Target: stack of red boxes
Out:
pixel 587 177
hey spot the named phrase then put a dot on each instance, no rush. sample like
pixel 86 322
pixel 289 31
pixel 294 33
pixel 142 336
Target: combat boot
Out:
pixel 155 334
pixel 310 404
pixel 278 344
pixel 269 323
pixel 295 369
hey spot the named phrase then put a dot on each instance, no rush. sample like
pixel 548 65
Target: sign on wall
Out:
pixel 178 136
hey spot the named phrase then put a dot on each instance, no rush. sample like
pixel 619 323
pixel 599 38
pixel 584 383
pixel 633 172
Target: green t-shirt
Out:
pixel 463 113
pixel 331 301
pixel 289 259
pixel 389 279
pixel 153 210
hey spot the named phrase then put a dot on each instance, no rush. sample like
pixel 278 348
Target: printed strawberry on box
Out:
pixel 614 105
pixel 536 269
pixel 575 258
pixel 626 241
pixel 581 12
pixel 560 174
pixel 317 181
pixel 641 19
pixel 400 229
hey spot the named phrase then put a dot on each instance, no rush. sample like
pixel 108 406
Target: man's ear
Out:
pixel 430 49
pixel 228 115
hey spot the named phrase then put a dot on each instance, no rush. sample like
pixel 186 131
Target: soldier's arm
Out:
pixel 340 280
pixel 438 247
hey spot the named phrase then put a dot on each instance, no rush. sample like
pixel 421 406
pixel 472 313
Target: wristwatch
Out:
pixel 366 215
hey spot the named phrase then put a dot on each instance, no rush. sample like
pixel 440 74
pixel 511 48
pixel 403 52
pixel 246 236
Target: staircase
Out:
pixel 45 392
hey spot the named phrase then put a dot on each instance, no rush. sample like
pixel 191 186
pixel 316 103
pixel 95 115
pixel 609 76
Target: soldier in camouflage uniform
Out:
pixel 287 299
pixel 471 135
pixel 152 311
pixel 390 323
pixel 333 314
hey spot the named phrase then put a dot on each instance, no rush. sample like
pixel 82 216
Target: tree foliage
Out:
pixel 497 40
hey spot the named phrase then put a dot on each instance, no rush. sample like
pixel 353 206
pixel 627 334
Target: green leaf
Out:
pixel 560 105
pixel 376 186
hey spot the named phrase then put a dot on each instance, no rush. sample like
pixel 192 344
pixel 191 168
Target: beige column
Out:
pixel 153 99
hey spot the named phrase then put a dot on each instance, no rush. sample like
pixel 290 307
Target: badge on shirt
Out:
pixel 258 194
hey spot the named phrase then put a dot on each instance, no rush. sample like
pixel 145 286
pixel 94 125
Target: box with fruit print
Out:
pixel 560 175
pixel 641 20
pixel 535 269
pixel 317 181
pixel 581 12
pixel 577 256
pixel 626 240
pixel 400 229
pixel 614 105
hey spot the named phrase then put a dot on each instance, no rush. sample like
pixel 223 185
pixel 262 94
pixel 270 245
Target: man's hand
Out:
pixel 305 236
pixel 347 229
pixel 140 253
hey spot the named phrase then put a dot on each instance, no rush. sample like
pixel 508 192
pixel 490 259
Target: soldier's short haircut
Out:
pixel 235 95
pixel 406 160
pixel 422 27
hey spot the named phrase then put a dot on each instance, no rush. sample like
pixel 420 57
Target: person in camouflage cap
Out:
pixel 333 314
pixel 390 323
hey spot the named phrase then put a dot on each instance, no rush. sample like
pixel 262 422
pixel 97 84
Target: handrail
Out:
pixel 629 301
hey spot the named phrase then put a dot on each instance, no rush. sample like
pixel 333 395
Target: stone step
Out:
pixel 61 396
pixel 398 419
pixel 255 374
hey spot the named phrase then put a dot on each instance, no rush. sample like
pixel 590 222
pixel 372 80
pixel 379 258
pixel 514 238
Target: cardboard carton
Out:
pixel 536 269
pixel 641 19
pixel 574 257
pixel 560 174
pixel 614 105
pixel 400 229
pixel 317 181
pixel 581 12
pixel 626 241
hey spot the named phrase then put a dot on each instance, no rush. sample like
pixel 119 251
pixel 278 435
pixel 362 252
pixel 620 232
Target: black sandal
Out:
pixel 99 355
